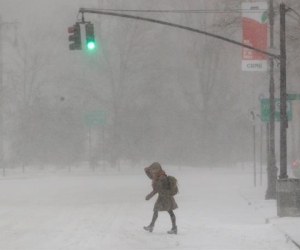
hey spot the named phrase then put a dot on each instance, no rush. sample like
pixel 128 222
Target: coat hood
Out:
pixel 153 170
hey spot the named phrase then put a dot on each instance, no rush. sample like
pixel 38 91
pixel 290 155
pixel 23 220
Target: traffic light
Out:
pixel 75 37
pixel 90 36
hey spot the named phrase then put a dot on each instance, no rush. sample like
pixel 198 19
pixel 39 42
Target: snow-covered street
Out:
pixel 108 211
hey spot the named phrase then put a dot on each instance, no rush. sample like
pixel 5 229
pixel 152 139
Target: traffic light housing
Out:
pixel 75 37
pixel 90 36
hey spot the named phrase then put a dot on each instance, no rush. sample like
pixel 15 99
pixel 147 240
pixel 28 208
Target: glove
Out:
pixel 148 197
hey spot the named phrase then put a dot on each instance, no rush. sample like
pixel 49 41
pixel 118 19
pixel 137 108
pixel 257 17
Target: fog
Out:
pixel 147 93
pixel 167 94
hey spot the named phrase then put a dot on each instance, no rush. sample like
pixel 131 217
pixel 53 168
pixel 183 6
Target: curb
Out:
pixel 288 237
pixel 269 221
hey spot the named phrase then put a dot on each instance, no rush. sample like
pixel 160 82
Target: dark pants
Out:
pixel 172 215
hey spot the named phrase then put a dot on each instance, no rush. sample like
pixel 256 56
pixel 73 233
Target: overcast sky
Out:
pixel 42 11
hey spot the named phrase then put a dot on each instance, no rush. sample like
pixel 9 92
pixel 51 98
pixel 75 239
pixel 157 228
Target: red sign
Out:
pixel 255 34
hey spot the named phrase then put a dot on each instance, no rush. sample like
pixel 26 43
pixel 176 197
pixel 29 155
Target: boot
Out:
pixel 173 230
pixel 149 228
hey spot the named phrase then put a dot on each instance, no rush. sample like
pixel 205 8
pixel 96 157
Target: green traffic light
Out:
pixel 91 45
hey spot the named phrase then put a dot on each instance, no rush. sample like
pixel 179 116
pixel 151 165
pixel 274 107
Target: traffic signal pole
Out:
pixel 93 11
pixel 283 116
pixel 271 169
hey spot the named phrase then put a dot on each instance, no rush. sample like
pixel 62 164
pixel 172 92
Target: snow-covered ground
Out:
pixel 218 209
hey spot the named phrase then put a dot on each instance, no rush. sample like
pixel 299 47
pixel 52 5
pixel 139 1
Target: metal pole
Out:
pixel 268 149
pixel 254 155
pixel 261 151
pixel 1 96
pixel 254 149
pixel 272 169
pixel 101 12
pixel 103 149
pixel 90 147
pixel 283 117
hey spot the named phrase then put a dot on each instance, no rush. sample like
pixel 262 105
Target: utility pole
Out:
pixel 272 169
pixel 283 117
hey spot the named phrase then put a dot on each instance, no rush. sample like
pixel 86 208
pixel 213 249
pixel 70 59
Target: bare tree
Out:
pixel 208 89
pixel 31 75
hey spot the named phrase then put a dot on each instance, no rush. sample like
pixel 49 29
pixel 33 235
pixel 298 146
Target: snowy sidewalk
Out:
pixel 289 226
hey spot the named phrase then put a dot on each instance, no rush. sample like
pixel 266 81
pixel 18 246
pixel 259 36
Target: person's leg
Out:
pixel 154 218
pixel 173 219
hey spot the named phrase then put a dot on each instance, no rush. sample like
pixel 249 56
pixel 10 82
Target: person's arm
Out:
pixel 149 196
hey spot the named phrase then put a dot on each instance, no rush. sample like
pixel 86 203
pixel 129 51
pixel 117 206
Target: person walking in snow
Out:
pixel 165 201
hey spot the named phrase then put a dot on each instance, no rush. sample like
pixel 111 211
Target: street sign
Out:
pixel 97 117
pixel 265 110
pixel 292 97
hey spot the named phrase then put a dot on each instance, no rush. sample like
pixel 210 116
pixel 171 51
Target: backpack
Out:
pixel 173 185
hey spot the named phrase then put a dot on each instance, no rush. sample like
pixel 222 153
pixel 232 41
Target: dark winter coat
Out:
pixel 160 184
